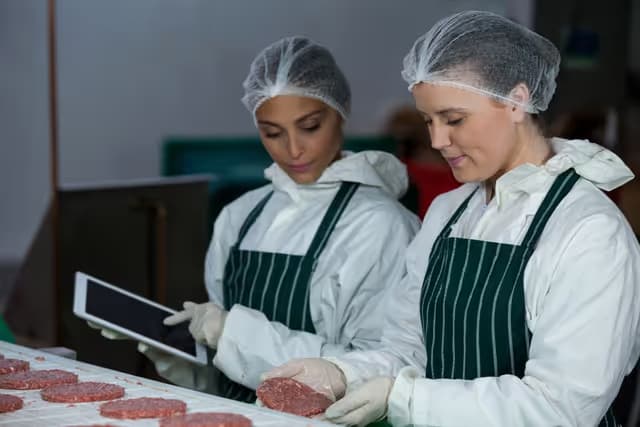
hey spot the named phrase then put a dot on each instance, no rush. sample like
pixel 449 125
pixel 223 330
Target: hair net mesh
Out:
pixel 488 54
pixel 296 66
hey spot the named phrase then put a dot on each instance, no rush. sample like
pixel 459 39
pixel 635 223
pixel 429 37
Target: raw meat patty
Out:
pixel 9 403
pixel 143 407
pixel 207 419
pixel 13 365
pixel 30 380
pixel 82 392
pixel 291 396
pixel 95 425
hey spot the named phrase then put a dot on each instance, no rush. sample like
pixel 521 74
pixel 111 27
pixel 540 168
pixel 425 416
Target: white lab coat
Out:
pixel 582 297
pixel 364 254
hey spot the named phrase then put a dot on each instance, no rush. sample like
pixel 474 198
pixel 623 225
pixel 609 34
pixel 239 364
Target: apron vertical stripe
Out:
pixel 265 268
pixel 292 294
pixel 480 304
pixel 435 318
pixel 249 265
pixel 444 329
pixel 305 308
pixel 430 318
pixel 511 320
pixel 268 280
pixel 454 321
pixel 494 326
pixel 283 306
pixel 283 275
pixel 466 323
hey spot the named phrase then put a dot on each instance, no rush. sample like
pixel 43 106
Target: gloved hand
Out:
pixel 364 405
pixel 107 333
pixel 319 374
pixel 172 368
pixel 207 321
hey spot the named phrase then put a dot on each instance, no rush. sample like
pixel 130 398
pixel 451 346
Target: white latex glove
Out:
pixel 172 368
pixel 206 321
pixel 319 374
pixel 364 405
pixel 182 372
pixel 107 333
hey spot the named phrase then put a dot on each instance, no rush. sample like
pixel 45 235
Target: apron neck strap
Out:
pixel 559 189
pixel 456 215
pixel 331 217
pixel 251 218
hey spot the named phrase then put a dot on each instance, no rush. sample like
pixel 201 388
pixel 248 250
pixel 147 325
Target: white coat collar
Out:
pixel 591 161
pixel 373 168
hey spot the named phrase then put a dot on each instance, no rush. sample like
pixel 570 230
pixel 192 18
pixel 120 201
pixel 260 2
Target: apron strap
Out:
pixel 456 215
pixel 331 217
pixel 559 189
pixel 251 218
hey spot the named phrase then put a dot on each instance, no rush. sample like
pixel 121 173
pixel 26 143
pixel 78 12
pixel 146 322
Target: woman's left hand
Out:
pixel 364 405
pixel 206 321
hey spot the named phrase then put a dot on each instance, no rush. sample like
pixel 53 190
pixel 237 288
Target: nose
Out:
pixel 294 147
pixel 439 136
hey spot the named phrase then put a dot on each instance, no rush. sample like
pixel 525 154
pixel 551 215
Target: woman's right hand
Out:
pixel 319 374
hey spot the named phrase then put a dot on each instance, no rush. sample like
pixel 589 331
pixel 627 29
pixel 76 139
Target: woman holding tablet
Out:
pixel 299 267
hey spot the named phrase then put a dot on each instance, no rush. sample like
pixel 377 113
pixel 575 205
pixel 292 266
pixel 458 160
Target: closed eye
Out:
pixel 272 135
pixel 270 131
pixel 311 128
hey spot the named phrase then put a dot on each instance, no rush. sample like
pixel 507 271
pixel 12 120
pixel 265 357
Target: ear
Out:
pixel 520 94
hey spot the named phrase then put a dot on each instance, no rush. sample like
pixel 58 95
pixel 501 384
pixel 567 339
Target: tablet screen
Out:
pixel 137 316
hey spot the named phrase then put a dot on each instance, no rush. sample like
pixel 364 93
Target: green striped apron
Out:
pixel 274 283
pixel 472 303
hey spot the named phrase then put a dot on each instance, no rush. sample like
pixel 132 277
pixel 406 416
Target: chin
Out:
pixel 466 176
pixel 462 177
pixel 303 179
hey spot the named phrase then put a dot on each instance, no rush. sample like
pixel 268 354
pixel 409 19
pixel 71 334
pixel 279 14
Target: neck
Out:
pixel 531 147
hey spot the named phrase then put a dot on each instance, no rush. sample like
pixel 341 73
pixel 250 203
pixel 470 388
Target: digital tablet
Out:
pixel 135 317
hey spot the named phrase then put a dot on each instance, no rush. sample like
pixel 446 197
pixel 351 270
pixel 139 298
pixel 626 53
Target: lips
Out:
pixel 299 168
pixel 455 161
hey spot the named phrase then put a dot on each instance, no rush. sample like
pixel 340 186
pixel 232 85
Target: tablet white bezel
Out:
pixel 79 309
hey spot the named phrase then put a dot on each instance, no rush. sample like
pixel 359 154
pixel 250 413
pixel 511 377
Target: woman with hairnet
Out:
pixel 520 306
pixel 299 267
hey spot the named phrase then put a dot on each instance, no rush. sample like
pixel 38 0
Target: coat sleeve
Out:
pixel 224 235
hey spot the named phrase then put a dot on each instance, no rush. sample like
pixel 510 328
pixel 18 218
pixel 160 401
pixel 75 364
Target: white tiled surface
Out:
pixel 37 412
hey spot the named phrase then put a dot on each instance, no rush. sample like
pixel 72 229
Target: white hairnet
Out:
pixel 488 54
pixel 296 66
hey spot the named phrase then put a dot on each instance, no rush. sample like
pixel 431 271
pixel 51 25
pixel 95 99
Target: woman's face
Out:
pixel 475 134
pixel 302 135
